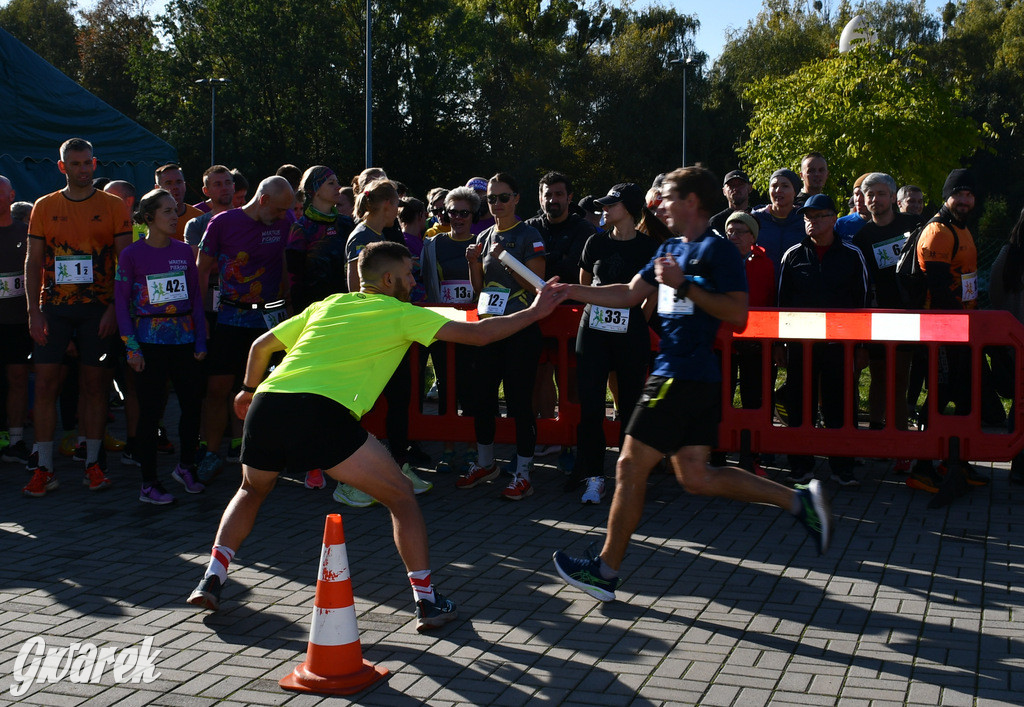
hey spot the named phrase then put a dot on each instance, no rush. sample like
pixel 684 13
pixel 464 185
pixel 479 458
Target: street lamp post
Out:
pixel 369 86
pixel 213 111
pixel 685 63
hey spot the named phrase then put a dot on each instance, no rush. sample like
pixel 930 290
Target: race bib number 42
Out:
pixel 72 269
pixel 168 287
pixel 492 301
pixel 670 304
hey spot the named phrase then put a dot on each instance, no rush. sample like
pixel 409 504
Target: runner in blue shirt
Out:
pixel 699 282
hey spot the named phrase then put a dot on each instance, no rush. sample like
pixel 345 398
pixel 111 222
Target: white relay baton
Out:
pixel 510 261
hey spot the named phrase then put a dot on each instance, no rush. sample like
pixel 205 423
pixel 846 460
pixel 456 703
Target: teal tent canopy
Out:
pixel 40 108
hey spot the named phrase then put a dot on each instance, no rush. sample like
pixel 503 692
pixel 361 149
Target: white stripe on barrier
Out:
pixel 887 326
pixel 334 564
pixel 802 325
pixel 333 627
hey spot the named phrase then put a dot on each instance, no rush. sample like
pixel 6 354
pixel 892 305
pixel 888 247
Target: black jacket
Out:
pixel 838 281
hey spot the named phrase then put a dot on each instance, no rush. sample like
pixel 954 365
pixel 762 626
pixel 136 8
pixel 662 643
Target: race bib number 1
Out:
pixel 72 269
pixel 456 291
pixel 608 319
pixel 493 301
pixel 670 304
pixel 168 287
pixel 12 284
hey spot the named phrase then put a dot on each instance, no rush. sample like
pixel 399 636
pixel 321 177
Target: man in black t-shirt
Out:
pixel 880 241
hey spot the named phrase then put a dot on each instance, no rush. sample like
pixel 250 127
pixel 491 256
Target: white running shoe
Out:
pixel 595 490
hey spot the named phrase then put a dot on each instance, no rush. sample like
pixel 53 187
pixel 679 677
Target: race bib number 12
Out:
pixel 492 301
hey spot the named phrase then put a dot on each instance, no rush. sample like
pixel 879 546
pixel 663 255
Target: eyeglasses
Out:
pixel 504 197
pixel 459 213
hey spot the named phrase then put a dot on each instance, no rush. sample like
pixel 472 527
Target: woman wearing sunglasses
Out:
pixel 446 278
pixel 512 360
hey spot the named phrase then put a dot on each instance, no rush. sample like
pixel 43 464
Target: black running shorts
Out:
pixel 299 431
pixel 672 414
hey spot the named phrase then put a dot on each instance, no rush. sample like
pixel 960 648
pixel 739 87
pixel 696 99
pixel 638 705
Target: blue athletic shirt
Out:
pixel 687 339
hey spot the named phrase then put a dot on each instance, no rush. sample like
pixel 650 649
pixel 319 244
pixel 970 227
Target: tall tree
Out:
pixel 871 110
pixel 47 27
pixel 110 33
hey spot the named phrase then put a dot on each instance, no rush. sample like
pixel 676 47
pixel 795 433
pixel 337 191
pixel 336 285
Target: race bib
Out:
pixel 456 291
pixel 969 286
pixel 72 269
pixel 12 284
pixel 168 287
pixel 493 301
pixel 887 253
pixel 216 299
pixel 274 315
pixel 669 304
pixel 608 319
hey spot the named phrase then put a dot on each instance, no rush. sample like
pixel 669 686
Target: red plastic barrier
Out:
pixel 889 329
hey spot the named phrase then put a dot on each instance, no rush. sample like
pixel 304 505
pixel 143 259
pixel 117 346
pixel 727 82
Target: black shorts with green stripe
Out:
pixel 673 413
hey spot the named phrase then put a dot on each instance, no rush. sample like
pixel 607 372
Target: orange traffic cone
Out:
pixel 334 657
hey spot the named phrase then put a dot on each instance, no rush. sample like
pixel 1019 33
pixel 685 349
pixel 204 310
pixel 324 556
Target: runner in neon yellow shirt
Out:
pixel 340 354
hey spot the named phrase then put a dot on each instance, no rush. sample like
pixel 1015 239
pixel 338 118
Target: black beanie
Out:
pixel 959 180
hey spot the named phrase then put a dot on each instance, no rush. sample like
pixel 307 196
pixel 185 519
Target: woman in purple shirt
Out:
pixel 160 317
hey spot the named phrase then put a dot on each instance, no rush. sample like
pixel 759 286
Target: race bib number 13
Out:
pixel 456 291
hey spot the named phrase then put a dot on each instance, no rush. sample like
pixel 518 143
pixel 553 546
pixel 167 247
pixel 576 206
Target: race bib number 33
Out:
pixel 608 319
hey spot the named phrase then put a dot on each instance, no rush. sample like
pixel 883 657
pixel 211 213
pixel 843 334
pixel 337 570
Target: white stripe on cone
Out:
pixel 334 564
pixel 333 627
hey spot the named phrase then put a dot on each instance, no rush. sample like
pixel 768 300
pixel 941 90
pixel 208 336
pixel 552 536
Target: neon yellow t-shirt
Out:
pixel 346 347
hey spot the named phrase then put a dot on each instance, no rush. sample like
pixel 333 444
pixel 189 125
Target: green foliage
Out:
pixel 867 110
pixel 108 36
pixel 47 27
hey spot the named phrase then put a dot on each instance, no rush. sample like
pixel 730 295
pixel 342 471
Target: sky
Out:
pixel 716 16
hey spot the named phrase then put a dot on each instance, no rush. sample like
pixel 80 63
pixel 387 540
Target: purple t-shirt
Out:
pixel 250 262
pixel 156 295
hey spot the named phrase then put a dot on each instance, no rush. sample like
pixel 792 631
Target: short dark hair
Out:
pixel 377 258
pixel 290 172
pixel 241 183
pixel 75 144
pixel 147 206
pixel 695 180
pixel 809 155
pixel 505 178
pixel 166 168
pixel 410 208
pixel 552 178
pixel 215 169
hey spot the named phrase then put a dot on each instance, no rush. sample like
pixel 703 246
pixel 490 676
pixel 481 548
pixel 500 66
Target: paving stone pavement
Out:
pixel 723 603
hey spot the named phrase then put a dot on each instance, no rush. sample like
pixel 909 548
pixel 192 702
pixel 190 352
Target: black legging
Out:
pixel 464 361
pixel 514 362
pixel 398 393
pixel 163 361
pixel 597 354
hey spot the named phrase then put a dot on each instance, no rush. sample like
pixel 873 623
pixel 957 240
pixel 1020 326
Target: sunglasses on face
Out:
pixel 459 213
pixel 503 198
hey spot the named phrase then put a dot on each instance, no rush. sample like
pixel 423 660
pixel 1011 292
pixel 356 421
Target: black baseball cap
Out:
pixel 736 174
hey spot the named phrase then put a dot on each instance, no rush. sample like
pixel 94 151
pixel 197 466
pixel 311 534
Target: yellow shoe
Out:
pixel 112 444
pixel 68 443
